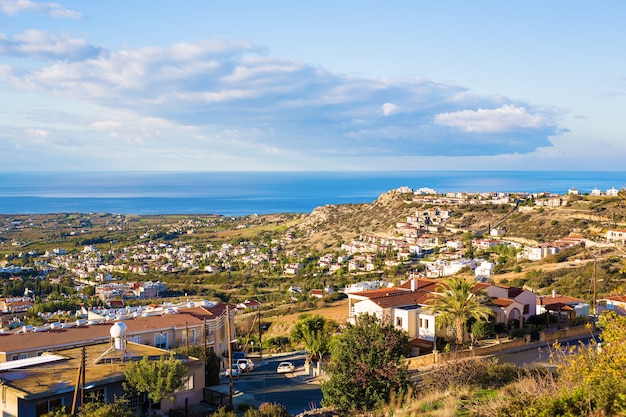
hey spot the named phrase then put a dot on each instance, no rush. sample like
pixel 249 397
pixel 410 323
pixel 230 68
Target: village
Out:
pixel 392 275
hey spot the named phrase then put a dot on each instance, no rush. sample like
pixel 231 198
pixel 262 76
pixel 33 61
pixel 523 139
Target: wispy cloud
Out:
pixel 499 120
pixel 14 7
pixel 45 45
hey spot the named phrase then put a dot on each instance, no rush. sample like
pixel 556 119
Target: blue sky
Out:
pixel 324 85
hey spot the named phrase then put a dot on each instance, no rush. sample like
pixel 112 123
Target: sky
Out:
pixel 326 85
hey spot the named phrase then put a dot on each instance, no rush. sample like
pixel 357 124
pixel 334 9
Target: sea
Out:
pixel 246 193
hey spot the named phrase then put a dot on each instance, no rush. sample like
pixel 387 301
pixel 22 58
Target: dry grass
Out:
pixel 283 325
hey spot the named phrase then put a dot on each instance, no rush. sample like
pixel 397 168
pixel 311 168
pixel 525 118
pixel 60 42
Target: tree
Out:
pixel 157 380
pixel 597 372
pixel 367 366
pixel 315 332
pixel 211 363
pixel 456 303
pixel 117 408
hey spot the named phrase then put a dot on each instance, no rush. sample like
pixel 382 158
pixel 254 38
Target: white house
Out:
pixel 407 306
pixel 616 235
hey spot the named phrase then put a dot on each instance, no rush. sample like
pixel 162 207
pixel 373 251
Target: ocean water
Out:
pixel 244 193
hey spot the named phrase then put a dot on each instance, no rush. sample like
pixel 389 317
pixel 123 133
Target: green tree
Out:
pixel 481 329
pixel 367 366
pixel 118 408
pixel 211 363
pixel 456 303
pixel 157 380
pixel 315 332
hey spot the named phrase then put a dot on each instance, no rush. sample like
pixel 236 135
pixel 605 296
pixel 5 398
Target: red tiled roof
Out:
pixel 75 336
pixel 502 302
pixel 618 298
pixel 564 299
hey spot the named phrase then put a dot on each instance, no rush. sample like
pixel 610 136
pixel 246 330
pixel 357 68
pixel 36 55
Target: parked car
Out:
pixel 285 367
pixel 235 371
pixel 245 365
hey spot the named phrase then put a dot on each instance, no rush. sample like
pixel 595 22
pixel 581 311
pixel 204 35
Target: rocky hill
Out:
pixel 327 226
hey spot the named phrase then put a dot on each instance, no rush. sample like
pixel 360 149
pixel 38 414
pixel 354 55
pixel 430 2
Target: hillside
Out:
pixel 326 226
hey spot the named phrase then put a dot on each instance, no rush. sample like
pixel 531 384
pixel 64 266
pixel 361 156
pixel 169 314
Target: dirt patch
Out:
pixel 283 325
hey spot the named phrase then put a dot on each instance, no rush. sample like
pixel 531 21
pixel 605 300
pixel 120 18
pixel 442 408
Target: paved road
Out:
pixel 290 390
pixel 539 355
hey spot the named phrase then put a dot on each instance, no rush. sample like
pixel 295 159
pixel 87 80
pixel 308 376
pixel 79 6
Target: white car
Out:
pixel 285 367
pixel 245 365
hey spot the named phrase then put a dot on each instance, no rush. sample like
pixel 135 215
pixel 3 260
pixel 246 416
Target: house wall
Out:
pixel 193 395
pixel 16 406
pixel 407 321
pixel 366 307
pixel 530 299
pixel 12 404
pixel 427 329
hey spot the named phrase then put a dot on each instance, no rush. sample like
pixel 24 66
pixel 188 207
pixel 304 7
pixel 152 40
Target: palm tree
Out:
pixel 456 303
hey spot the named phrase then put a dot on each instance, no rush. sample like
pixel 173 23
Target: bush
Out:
pixel 268 410
pixel 473 373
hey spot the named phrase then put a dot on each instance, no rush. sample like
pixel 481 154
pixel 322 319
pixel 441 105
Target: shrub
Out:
pixel 473 373
pixel 272 410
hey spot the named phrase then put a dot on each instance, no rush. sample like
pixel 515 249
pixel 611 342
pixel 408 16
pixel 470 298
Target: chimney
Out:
pixel 414 284
pixel 553 293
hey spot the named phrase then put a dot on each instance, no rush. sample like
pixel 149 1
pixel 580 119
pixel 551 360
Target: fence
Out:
pixel 497 346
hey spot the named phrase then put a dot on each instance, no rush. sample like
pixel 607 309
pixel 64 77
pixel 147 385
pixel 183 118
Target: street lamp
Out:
pixel 251 346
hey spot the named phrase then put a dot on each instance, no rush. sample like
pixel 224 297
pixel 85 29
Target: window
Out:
pixel 399 321
pixel 160 340
pixel 191 333
pixel 23 355
pixel 15 357
pixel 44 407
pixel 134 339
pixel 187 385
pixel 526 308
pixel 95 395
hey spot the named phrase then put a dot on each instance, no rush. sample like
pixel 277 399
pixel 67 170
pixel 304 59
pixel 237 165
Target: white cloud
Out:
pixel 503 119
pixel 13 7
pixel 389 109
pixel 46 45
pixel 193 98
pixel 38 133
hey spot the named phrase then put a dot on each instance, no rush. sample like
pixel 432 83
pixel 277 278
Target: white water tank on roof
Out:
pixel 118 333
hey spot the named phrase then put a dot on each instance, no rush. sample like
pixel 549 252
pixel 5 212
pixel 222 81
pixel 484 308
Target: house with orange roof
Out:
pixel 564 307
pixel 615 303
pixel 406 306
pixel 191 326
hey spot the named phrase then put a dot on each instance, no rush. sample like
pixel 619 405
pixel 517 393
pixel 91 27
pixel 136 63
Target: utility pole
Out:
pixel 80 383
pixel 186 339
pixel 204 337
pixel 230 357
pixel 595 307
pixel 260 331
